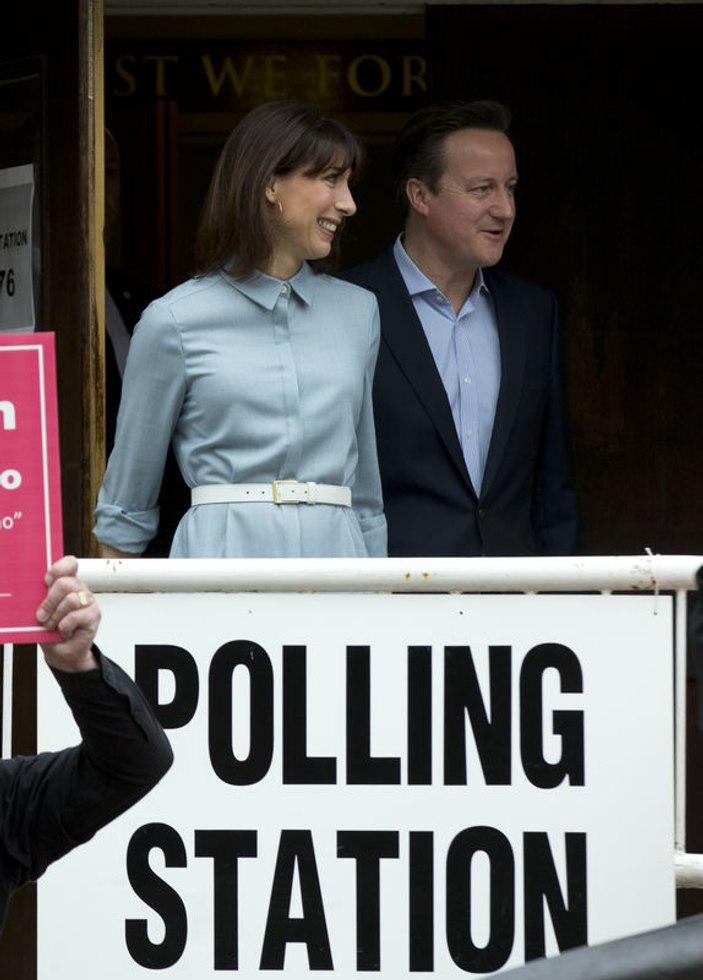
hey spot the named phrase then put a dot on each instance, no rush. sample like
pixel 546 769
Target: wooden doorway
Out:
pixel 51 118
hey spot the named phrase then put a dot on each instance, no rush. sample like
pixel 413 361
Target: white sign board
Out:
pixel 16 287
pixel 389 783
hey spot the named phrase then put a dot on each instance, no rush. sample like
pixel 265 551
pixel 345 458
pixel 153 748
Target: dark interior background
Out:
pixel 610 147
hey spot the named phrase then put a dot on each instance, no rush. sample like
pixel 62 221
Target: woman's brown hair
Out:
pixel 236 232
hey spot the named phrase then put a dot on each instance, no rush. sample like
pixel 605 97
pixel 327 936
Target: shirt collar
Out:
pixel 266 290
pixel 416 280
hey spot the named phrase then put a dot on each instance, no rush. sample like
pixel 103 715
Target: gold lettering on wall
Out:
pixel 160 73
pixel 414 68
pixel 274 83
pixel 328 73
pixel 196 79
pixel 229 73
pixel 384 75
pixel 123 72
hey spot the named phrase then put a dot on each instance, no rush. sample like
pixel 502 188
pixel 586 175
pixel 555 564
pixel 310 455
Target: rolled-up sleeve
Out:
pixel 127 516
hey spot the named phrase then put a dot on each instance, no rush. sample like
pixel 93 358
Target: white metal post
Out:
pixel 7 665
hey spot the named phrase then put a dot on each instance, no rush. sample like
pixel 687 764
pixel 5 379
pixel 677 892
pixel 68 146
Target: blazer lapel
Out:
pixel 511 335
pixel 402 332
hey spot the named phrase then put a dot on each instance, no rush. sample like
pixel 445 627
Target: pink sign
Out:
pixel 30 489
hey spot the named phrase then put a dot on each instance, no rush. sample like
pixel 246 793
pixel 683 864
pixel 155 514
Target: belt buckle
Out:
pixel 274 488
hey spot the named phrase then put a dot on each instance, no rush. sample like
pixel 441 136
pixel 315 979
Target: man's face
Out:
pixel 469 219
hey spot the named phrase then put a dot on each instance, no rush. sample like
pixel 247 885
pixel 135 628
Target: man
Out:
pixel 52 802
pixel 470 415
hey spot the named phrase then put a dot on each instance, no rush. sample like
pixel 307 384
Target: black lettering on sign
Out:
pixel 541 883
pixel 567 724
pixel 362 767
pixel 298 766
pixel 462 949
pixel 225 847
pixel 421 912
pixel 419 716
pixel 7 280
pixel 253 659
pixel 468 900
pixel 158 895
pixel 462 696
pixel 149 660
pixel 367 847
pixel 296 851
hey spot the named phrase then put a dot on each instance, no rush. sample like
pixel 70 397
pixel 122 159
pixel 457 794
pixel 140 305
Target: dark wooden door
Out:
pixel 51 117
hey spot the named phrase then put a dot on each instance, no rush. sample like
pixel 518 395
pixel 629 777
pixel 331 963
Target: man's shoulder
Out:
pixel 372 273
pixel 497 279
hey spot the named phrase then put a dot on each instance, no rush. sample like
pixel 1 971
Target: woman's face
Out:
pixel 307 212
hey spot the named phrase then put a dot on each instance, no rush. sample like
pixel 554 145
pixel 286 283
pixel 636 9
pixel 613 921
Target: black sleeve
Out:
pixel 51 802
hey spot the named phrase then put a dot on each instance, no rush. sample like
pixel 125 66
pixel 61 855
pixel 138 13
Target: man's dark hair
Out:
pixel 236 230
pixel 419 149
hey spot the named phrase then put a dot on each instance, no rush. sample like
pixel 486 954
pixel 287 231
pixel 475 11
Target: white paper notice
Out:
pixel 16 292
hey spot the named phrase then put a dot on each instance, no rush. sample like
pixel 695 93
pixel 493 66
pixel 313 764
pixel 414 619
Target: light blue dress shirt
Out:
pixel 466 350
pixel 252 382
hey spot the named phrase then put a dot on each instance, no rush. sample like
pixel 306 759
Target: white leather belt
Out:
pixel 278 492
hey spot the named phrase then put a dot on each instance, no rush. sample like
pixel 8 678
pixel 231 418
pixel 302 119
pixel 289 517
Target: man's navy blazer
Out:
pixel 527 504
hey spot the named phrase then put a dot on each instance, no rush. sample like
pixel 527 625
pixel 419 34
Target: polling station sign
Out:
pixel 444 785
pixel 30 488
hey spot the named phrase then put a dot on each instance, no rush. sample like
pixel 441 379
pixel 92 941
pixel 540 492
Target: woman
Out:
pixel 259 369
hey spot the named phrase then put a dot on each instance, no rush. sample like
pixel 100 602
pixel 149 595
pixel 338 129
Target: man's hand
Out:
pixel 70 609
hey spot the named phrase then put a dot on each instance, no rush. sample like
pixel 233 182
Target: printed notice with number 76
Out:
pixel 16 251
pixel 31 536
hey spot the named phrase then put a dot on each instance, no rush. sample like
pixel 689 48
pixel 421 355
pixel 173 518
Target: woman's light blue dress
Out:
pixel 252 382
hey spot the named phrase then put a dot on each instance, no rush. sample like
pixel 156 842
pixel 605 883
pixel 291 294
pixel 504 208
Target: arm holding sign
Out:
pixel 71 610
pixel 54 801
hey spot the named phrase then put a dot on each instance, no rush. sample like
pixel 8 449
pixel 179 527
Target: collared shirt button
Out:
pixel 467 381
pixel 284 289
pixel 469 434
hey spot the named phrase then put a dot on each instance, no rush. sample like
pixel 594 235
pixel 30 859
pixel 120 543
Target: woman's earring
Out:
pixel 280 206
